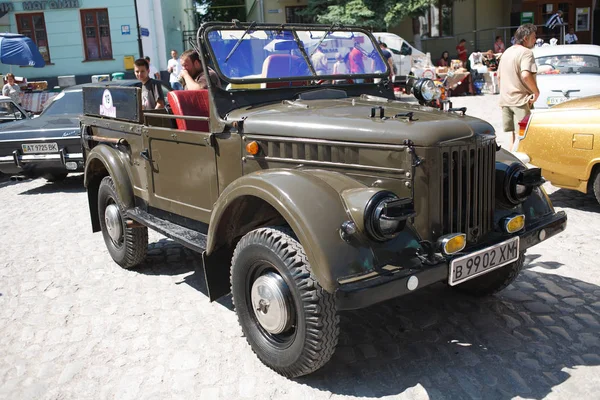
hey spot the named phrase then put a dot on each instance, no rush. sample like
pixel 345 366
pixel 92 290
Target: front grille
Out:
pixel 467 189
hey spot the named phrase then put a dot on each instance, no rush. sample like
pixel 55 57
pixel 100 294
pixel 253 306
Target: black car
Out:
pixel 49 145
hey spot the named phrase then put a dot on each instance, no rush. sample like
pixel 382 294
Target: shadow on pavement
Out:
pixel 169 258
pixel 566 198
pixel 516 343
pixel 71 184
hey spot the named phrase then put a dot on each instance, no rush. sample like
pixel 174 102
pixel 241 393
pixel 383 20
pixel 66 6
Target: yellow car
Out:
pixel 565 143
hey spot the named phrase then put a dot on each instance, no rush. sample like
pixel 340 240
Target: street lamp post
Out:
pixel 137 24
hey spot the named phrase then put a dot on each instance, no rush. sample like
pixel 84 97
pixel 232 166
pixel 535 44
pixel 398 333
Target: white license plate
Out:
pixel 554 100
pixel 483 261
pixel 40 148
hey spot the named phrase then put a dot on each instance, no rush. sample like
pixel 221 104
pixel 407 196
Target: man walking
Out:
pixel 193 75
pixel 554 23
pixel 174 69
pixel 518 86
pixel 152 94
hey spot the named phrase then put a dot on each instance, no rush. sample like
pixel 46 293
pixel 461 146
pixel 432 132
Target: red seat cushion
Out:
pixel 193 103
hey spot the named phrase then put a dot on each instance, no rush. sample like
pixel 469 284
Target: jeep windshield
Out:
pixel 297 54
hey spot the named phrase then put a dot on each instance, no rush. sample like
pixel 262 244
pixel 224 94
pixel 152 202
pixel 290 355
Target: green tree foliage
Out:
pixel 377 14
pixel 220 10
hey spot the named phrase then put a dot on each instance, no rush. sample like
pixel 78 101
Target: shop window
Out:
pixel 34 26
pixel 96 34
pixel 437 20
pixel 292 15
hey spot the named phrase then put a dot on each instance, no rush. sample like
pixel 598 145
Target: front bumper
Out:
pixel 370 291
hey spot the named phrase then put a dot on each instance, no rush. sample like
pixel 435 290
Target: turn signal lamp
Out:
pixel 252 148
pixel 514 224
pixel 523 126
pixel 453 243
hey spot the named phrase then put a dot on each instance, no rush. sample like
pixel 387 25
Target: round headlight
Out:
pixel 514 192
pixel 377 224
pixel 426 90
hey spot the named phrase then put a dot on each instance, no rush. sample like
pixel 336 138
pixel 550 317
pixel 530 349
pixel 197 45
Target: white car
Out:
pixel 566 72
pixel 405 56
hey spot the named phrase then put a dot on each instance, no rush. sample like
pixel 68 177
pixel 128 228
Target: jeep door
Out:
pixel 182 172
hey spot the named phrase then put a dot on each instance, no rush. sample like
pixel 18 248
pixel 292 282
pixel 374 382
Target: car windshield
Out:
pixel 294 53
pixel 568 64
pixel 65 103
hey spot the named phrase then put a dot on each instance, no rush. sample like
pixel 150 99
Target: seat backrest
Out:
pixel 280 65
pixel 191 103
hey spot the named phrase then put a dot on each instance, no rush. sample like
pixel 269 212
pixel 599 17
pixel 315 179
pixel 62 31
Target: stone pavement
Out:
pixel 73 325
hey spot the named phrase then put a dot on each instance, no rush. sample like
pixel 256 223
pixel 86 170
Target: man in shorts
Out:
pixel 517 76
pixel 152 94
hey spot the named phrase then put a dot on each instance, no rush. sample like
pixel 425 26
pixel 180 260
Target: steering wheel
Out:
pixel 347 80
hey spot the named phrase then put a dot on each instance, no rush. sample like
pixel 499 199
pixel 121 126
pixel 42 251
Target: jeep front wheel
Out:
pixel 127 246
pixel 596 185
pixel 494 281
pixel 288 319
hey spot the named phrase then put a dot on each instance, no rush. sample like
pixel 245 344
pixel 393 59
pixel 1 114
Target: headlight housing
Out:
pixel 425 90
pixel 519 182
pixel 386 215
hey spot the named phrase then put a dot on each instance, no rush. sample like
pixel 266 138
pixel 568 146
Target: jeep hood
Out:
pixel 350 120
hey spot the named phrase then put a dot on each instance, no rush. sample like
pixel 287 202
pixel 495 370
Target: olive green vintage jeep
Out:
pixel 307 188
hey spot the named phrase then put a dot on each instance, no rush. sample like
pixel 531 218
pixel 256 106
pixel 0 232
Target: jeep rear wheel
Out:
pixel 127 246
pixel 494 281
pixel 288 319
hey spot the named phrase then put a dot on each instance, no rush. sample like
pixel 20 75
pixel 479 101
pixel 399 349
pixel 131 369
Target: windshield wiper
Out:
pixel 323 38
pixel 303 52
pixel 237 44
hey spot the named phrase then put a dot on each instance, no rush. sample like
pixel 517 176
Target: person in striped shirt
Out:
pixel 554 23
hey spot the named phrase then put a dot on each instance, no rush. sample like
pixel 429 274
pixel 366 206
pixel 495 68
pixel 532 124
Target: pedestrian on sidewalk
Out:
pixel 152 94
pixel 461 52
pixel 553 24
pixel 154 74
pixel 517 78
pixel 174 69
pixel 11 89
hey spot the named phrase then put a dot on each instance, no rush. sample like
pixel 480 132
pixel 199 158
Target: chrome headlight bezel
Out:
pixel 425 90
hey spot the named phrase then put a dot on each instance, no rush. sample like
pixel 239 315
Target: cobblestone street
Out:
pixel 74 325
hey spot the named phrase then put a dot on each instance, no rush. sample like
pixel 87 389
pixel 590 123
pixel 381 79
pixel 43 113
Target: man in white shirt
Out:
pixel 571 37
pixel 174 69
pixel 153 72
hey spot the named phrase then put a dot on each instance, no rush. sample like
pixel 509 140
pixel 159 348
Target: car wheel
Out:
pixel 288 319
pixel 55 177
pixel 596 185
pixel 494 281
pixel 127 246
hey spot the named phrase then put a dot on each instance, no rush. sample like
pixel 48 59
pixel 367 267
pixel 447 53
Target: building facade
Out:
pixel 446 22
pixel 92 37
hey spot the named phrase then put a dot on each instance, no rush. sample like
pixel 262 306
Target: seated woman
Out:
pixel 444 61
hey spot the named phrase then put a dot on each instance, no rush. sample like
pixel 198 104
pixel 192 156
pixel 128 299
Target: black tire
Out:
pixel 55 177
pixel 130 250
pixel 493 282
pixel 312 335
pixel 596 185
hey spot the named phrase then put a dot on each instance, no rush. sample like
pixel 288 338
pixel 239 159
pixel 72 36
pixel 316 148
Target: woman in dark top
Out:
pixel 445 60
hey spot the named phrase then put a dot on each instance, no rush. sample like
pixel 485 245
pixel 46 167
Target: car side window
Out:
pixel 9 112
pixel 405 50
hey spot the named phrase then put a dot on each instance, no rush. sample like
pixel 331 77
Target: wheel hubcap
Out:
pixel 270 302
pixel 112 219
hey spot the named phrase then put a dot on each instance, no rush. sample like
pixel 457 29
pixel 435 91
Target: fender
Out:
pixel 310 202
pixel 101 161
